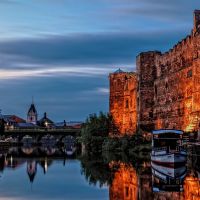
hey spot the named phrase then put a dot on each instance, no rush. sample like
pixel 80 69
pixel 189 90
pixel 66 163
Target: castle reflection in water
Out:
pixel 131 185
pixel 125 180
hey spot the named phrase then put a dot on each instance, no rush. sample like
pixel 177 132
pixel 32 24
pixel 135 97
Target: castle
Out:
pixel 164 92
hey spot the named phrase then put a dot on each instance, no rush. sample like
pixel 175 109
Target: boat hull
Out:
pixel 171 159
pixel 163 171
pixel 168 178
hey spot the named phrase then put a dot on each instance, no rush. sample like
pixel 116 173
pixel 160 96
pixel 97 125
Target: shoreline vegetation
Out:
pixel 96 138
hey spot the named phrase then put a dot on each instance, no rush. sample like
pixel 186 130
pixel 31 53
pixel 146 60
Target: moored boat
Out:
pixel 168 178
pixel 167 147
pixel 165 171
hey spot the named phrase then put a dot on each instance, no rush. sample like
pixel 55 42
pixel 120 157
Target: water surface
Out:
pixel 39 174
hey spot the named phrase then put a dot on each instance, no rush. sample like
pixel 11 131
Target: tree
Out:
pixel 95 129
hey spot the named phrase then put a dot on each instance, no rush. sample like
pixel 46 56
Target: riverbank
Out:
pixel 129 145
pixel 96 138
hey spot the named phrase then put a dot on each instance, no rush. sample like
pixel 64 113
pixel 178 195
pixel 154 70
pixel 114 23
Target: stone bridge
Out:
pixel 41 135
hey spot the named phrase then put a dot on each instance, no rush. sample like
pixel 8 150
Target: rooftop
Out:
pixel 32 109
pixel 119 71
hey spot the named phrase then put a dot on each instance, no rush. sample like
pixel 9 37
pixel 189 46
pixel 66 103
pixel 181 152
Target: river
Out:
pixel 48 173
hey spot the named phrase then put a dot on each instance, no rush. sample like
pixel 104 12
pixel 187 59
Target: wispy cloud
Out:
pixel 81 71
pixel 62 54
pixel 96 91
pixel 103 90
pixel 83 50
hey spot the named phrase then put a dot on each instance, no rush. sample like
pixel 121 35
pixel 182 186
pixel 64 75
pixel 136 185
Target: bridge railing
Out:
pixel 42 130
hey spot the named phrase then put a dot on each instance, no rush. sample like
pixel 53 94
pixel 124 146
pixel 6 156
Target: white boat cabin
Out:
pixel 166 141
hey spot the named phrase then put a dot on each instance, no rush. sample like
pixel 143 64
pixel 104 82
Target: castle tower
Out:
pixel 123 89
pixel 117 82
pixel 32 114
pixel 146 71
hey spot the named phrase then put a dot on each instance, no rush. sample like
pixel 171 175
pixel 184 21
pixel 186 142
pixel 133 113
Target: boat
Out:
pixel 168 178
pixel 167 148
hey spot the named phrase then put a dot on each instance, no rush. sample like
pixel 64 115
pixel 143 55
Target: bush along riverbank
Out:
pixel 95 137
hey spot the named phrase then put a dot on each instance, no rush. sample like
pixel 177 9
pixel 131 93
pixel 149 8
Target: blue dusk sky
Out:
pixel 62 51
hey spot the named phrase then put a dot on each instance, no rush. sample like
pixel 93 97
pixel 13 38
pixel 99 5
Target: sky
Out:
pixel 60 52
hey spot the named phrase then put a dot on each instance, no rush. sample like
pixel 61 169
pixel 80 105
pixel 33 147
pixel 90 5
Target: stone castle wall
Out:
pixel 123 91
pixel 168 86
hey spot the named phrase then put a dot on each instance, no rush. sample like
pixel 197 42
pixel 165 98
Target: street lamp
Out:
pixel 46 124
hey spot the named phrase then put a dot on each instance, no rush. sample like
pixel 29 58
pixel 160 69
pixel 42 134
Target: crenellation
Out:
pixel 168 87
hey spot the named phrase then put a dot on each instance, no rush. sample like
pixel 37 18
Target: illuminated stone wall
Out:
pixel 145 98
pixel 128 184
pixel 123 91
pixel 166 89
pixel 191 188
pixel 125 184
pixel 169 85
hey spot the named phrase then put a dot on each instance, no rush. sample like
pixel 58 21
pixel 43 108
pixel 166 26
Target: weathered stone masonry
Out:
pixel 123 90
pixel 166 88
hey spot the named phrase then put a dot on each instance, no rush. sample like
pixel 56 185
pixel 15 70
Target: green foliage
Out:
pixel 94 131
pixel 96 125
pixel 96 170
pixel 125 144
pixel 111 144
pixel 95 136
pixel 100 170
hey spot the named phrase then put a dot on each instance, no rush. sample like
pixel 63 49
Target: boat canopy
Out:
pixel 163 131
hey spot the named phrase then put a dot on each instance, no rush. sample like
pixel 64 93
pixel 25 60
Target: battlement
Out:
pixel 165 90
pixel 196 21
pixel 188 40
pixel 148 53
pixel 180 46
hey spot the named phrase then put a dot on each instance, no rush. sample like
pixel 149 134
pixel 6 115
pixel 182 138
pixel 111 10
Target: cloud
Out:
pixel 96 91
pixel 80 71
pixel 84 49
pixel 68 52
pixel 103 90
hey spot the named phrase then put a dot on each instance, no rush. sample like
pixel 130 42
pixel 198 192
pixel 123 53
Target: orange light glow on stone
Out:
pixel 125 184
pixel 164 92
pixel 123 92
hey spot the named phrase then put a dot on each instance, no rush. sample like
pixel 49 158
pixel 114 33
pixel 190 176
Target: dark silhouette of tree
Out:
pixel 2 126
pixel 95 129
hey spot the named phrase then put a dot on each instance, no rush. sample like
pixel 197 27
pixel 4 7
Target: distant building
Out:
pixel 32 114
pixel 45 121
pixel 70 124
pixel 12 120
pixel 26 126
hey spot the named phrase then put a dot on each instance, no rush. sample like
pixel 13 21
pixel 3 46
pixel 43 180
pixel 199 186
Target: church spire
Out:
pixel 32 113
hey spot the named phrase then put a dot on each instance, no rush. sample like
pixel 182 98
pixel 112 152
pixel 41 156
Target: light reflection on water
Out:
pixel 50 174
pixel 44 177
